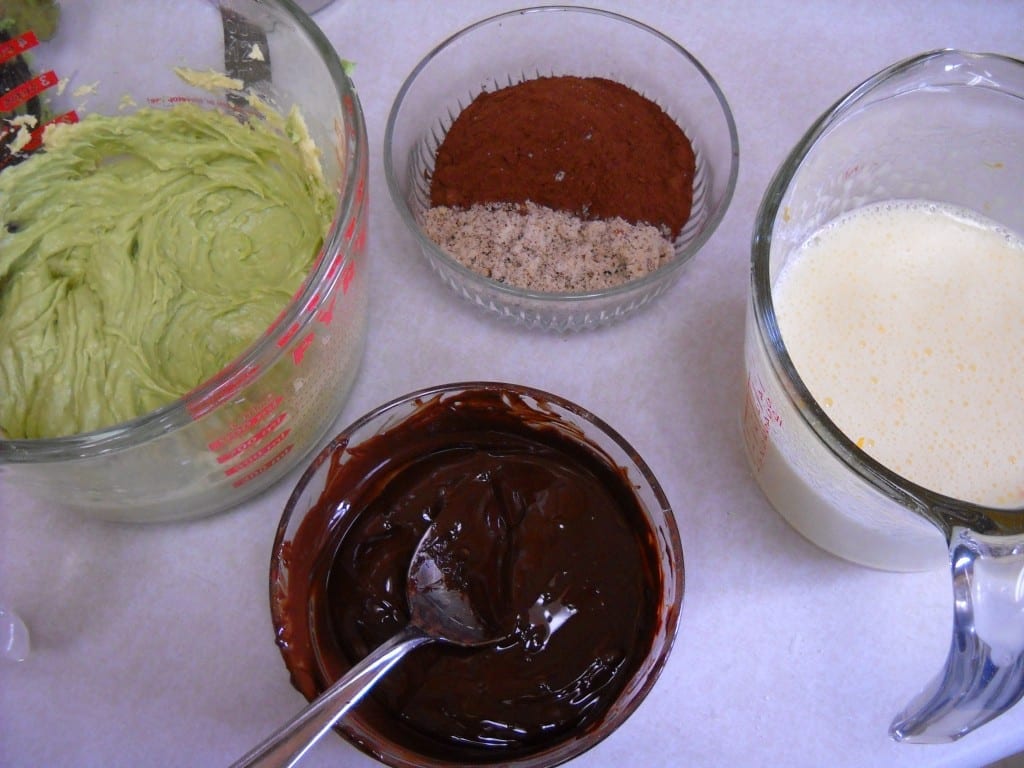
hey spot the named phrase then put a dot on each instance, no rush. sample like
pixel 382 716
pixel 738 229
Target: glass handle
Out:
pixel 984 674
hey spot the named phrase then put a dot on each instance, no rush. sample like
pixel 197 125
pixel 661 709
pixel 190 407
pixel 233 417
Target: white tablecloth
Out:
pixel 153 645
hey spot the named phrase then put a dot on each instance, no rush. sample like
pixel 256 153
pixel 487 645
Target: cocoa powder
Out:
pixel 589 146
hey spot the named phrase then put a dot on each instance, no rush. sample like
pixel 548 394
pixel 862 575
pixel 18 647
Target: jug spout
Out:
pixel 984 673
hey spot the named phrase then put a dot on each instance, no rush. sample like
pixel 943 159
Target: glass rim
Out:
pixel 250 364
pixel 941 509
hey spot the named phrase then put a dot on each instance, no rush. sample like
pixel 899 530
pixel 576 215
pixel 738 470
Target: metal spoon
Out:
pixel 441 609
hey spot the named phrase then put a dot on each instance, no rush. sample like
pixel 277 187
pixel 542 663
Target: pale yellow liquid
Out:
pixel 906 322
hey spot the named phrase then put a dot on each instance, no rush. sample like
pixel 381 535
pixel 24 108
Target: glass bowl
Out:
pixel 326 505
pixel 543 41
pixel 252 422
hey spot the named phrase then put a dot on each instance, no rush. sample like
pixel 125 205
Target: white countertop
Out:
pixel 153 645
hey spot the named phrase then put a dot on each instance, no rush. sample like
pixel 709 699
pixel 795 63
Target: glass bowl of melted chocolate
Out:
pixel 558 166
pixel 565 514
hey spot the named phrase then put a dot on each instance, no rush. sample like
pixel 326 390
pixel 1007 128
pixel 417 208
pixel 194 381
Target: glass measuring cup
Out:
pixel 945 126
pixel 246 427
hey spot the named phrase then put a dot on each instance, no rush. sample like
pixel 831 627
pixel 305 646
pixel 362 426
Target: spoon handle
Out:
pixel 290 742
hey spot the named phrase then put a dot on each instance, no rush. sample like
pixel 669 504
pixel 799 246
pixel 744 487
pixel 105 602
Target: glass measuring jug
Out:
pixel 946 127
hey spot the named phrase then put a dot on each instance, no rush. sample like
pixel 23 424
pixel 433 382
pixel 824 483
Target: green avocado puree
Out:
pixel 140 254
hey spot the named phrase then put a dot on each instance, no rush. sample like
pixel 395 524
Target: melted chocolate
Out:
pixel 558 552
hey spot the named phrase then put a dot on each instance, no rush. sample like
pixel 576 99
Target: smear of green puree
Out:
pixel 139 254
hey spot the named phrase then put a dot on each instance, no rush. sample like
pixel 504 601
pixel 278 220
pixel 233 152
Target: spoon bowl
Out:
pixel 443 607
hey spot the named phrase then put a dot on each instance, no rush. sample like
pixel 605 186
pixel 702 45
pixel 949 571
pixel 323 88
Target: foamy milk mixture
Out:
pixel 906 322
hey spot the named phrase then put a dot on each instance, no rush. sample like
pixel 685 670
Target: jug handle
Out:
pixel 984 673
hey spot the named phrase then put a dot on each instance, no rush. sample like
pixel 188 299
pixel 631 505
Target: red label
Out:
pixel 269 465
pixel 17 46
pixel 288 335
pixel 299 351
pixel 248 423
pixel 9 131
pixel 37 135
pixel 253 441
pixel 311 304
pixel 326 314
pixel 346 276
pixel 223 392
pixel 759 418
pixel 335 266
pixel 30 88
pixel 260 454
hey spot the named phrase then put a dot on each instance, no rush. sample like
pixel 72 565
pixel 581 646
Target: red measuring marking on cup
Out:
pixel 29 89
pixel 22 134
pixel 261 437
pixel 15 46
pixel 759 418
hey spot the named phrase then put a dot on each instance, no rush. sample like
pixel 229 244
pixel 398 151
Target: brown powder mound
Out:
pixel 588 146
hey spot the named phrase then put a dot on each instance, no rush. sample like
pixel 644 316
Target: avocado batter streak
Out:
pixel 140 254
